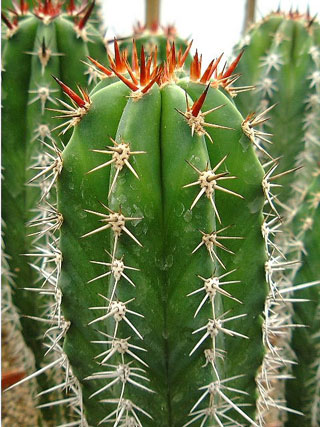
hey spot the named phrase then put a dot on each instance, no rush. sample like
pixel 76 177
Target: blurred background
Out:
pixel 215 26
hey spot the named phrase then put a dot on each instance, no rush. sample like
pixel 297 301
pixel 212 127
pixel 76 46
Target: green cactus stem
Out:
pixel 163 256
pixel 37 45
pixel 282 58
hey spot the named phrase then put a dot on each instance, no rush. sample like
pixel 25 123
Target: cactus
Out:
pixel 37 45
pixel 282 58
pixel 178 253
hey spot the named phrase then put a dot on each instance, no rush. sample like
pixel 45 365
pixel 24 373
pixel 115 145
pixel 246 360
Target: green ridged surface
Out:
pixel 169 232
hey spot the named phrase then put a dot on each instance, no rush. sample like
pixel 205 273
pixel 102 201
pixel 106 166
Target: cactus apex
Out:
pixel 147 79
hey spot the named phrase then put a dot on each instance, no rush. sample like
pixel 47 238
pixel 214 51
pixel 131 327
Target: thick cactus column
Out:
pixel 163 254
pixel 37 45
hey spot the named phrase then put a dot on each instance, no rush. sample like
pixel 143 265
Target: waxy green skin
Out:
pixel 21 145
pixel 168 232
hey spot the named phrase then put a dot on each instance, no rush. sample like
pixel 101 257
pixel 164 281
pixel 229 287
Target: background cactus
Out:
pixel 36 45
pixel 282 58
pixel 303 391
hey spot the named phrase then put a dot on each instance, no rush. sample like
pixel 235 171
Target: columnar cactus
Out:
pixel 282 58
pixel 161 273
pixel 37 43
